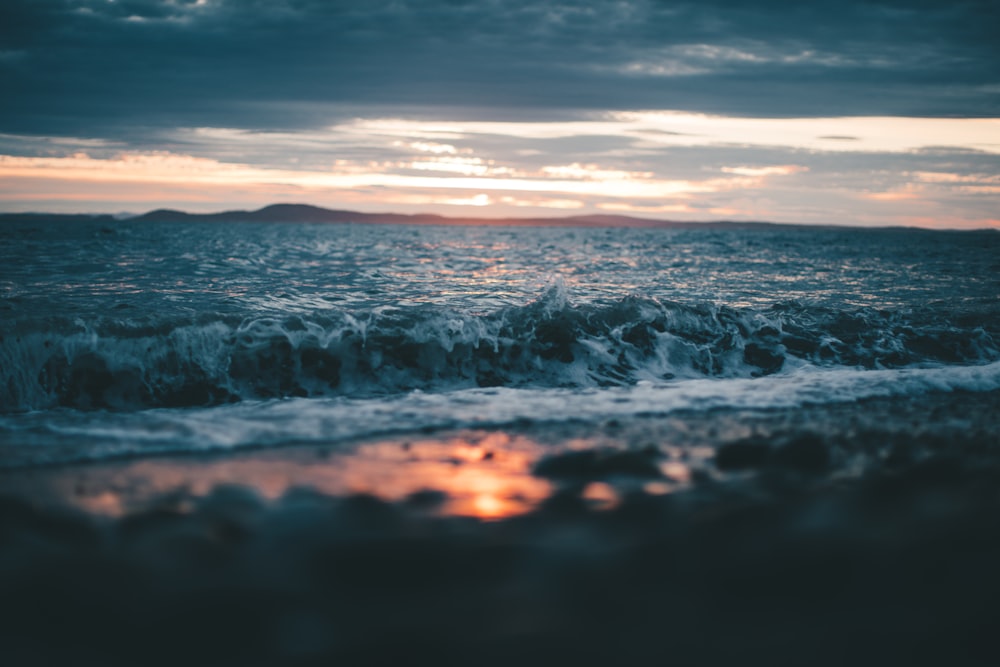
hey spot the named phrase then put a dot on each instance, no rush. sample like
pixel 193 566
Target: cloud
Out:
pixel 563 184
pixel 717 167
pixel 685 182
pixel 107 69
pixel 778 170
pixel 634 131
pixel 867 111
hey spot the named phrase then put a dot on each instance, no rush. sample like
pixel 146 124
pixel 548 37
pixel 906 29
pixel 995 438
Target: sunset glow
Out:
pixel 480 475
pixel 430 167
pixel 713 119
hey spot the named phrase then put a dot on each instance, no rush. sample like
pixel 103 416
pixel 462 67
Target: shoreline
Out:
pixel 857 532
pixel 854 439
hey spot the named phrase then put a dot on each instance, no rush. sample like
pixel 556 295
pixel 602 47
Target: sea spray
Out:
pixel 550 342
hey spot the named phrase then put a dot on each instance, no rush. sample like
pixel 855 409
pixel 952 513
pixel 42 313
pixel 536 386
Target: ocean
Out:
pixel 474 387
pixel 135 339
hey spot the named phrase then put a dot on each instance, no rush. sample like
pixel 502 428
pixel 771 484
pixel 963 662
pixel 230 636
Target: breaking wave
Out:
pixel 135 364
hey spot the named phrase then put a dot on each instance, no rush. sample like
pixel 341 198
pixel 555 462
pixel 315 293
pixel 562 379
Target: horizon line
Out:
pixel 339 216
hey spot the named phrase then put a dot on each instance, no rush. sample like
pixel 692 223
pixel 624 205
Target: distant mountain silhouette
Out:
pixel 292 213
pixel 314 214
pixel 306 213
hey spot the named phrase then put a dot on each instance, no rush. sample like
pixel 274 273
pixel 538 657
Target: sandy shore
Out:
pixel 859 533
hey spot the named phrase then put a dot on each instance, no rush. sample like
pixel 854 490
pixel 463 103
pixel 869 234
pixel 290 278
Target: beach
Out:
pixel 861 532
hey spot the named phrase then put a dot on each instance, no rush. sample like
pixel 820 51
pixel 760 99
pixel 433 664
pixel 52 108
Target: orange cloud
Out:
pixel 147 170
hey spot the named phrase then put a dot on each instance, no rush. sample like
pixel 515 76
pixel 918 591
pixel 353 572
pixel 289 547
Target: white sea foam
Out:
pixel 547 343
pixel 71 435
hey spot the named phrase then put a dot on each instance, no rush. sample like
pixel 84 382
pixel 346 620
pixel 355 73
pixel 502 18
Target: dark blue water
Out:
pixel 135 338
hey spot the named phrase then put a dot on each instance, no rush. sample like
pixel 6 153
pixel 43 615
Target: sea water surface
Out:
pixel 131 339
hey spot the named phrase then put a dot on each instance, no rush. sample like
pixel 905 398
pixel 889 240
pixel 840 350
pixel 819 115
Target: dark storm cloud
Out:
pixel 107 67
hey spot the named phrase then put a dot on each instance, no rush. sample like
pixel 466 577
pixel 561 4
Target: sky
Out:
pixel 869 113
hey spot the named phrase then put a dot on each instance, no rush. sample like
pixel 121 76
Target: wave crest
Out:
pixel 117 364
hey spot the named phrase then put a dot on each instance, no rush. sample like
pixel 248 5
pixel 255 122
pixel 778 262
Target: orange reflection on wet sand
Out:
pixel 484 476
pixel 477 474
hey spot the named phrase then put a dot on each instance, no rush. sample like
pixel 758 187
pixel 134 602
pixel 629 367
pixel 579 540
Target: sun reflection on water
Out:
pixel 483 475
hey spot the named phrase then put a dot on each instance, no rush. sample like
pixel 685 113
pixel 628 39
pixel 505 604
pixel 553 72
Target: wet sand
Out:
pixel 855 533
